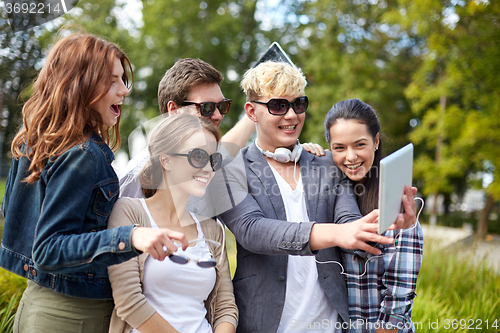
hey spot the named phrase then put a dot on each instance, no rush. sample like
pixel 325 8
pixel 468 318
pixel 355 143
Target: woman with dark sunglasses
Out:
pixel 192 290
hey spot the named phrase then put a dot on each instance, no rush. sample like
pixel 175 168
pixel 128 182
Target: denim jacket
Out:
pixel 55 231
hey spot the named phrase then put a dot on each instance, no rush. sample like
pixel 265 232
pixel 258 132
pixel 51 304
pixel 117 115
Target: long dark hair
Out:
pixel 355 109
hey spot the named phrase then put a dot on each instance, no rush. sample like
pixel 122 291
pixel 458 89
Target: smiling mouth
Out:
pixel 201 180
pixel 354 166
pixel 288 128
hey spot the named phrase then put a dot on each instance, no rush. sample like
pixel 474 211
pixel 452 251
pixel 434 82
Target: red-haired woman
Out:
pixel 61 188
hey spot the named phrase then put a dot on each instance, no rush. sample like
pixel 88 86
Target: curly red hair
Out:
pixel 60 114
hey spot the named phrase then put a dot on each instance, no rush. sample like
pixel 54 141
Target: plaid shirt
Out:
pixel 384 294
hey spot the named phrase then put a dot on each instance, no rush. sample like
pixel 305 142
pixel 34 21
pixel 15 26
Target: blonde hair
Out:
pixel 166 138
pixel 273 79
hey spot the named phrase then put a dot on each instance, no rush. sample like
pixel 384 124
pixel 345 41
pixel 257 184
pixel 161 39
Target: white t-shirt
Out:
pixel 178 291
pixel 306 309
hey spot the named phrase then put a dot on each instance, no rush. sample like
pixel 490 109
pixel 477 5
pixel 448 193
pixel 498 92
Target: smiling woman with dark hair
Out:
pixel 380 289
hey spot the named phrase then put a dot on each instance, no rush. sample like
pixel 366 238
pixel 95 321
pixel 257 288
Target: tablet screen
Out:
pixel 396 172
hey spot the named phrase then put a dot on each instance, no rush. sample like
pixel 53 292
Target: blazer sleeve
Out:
pixel 262 235
pixel 130 303
pixel 346 208
pixel 232 190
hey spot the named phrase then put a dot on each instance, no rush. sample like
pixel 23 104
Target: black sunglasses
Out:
pixel 208 108
pixel 280 106
pixel 205 263
pixel 198 158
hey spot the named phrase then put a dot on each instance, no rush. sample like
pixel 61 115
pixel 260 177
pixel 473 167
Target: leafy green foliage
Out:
pixel 347 53
pixel 11 289
pixel 455 286
pixel 221 33
pixel 19 60
pixel 460 58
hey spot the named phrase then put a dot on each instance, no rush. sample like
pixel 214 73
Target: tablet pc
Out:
pixel 396 172
pixel 274 53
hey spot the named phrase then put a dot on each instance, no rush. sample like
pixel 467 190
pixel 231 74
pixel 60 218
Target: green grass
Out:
pixel 11 289
pixel 2 192
pixel 2 187
pixel 456 293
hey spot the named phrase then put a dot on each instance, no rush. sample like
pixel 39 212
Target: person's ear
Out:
pixel 172 108
pixel 250 111
pixel 377 141
pixel 165 162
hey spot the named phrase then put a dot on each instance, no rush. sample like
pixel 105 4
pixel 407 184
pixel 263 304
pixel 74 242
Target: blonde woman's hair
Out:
pixel 273 79
pixel 166 138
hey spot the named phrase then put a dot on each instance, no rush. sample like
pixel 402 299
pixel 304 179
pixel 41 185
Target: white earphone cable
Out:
pixel 398 235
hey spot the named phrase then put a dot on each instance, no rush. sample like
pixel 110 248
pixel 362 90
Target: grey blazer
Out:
pixel 265 238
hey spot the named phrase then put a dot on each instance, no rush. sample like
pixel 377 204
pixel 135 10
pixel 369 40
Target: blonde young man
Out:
pixel 280 224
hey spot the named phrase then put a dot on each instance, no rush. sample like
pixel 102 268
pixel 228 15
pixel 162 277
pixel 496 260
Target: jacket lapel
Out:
pixel 309 172
pixel 261 169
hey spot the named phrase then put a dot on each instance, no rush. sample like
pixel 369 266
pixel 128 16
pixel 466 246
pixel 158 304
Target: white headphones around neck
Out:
pixel 283 155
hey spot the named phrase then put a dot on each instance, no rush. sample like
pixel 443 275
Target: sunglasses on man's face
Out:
pixel 280 106
pixel 198 158
pixel 207 109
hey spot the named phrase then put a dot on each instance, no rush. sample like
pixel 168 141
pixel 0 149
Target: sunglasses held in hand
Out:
pixel 207 109
pixel 280 106
pixel 198 158
pixel 204 263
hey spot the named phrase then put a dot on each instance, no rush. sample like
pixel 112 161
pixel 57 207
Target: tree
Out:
pixel 456 92
pixel 221 33
pixel 348 51
pixel 20 57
